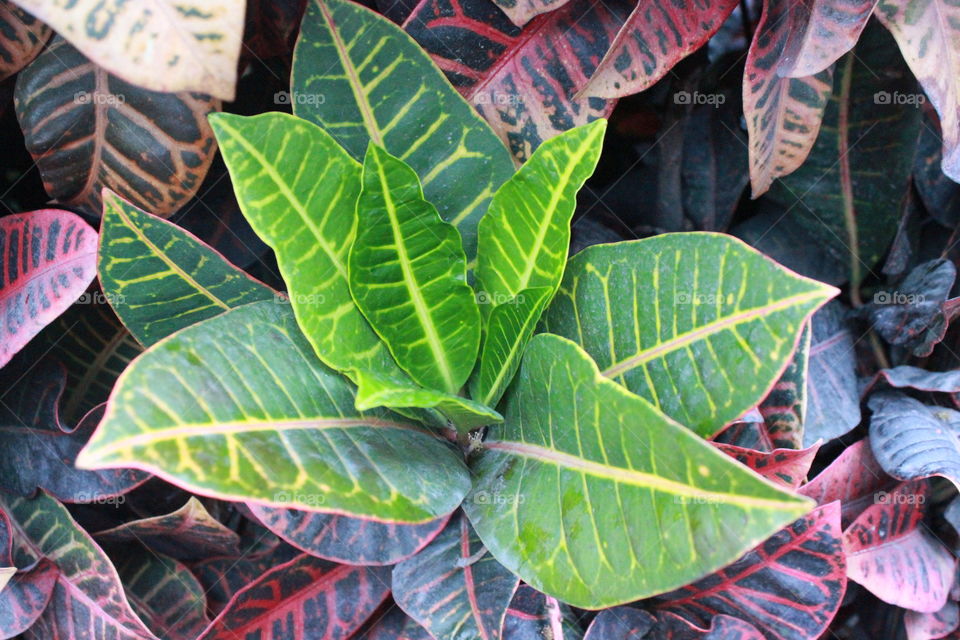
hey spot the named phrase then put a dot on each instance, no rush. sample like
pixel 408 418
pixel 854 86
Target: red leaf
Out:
pixel 821 31
pixel 47 259
pixel 396 625
pixel 889 553
pixel 223 576
pixel 789 587
pixel 786 467
pixel 303 598
pixel 853 479
pixel 673 627
pixel 522 11
pixel 533 616
pixel 783 114
pixel 928 626
pixel 345 539
pixel 655 37
pixel 523 82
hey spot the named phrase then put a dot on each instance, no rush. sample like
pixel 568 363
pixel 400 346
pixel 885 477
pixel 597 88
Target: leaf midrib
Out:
pixel 682 340
pixel 633 477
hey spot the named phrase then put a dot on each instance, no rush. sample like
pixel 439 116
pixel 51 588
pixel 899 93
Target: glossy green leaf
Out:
pixel 408 276
pixel 298 189
pixel 464 413
pixel 509 327
pixel 699 324
pixel 363 79
pixel 238 407
pixel 160 278
pixel 593 496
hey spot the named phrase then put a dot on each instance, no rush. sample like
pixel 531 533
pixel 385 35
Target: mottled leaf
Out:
pixel 363 80
pixel 303 598
pixel 620 623
pixel 24 593
pixel 533 615
pixel 188 46
pixel 396 625
pixel 927 626
pixel 789 587
pixel 47 259
pixel 222 577
pixel 577 452
pixel 786 467
pixel 907 377
pixel 721 627
pixel 699 312
pixel 23 36
pixel 274 426
pixel 454 587
pixel 820 32
pixel 160 278
pixel 785 407
pixel 88 130
pixel 833 407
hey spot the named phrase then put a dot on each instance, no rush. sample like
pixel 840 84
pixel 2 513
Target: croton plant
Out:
pixel 416 344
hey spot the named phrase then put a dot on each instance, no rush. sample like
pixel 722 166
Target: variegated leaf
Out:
pixel 22 37
pixel 820 31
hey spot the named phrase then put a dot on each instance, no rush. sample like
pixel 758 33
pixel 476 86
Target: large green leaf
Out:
pixel 298 189
pixel 699 324
pixel 160 278
pixel 364 80
pixel 239 407
pixel 593 496
pixel 408 276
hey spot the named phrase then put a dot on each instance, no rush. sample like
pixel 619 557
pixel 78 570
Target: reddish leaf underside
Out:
pixel 822 31
pixel 721 627
pixel 925 626
pixel 47 259
pixel 787 467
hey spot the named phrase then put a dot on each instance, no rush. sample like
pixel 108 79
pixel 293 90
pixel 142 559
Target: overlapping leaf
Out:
pixel 939 624
pixel 223 576
pixel 190 46
pixel 819 32
pixel 721 627
pixel 789 587
pixel 785 407
pixel 303 598
pixel 533 615
pixel 927 34
pixel 47 259
pixel 578 452
pixel 698 324
pixel 786 467
pixel 396 625
pixel 626 623
pixel 88 599
pixel 362 79
pixel 523 82
pixel 23 38
pixel 408 276
pixel 453 587
pixel 886 544
pixel 273 425
pixel 347 540
pixel 24 594
pixel 87 130
pixel 834 406
pixel 160 278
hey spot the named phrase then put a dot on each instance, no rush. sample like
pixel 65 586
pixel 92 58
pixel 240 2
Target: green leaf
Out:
pixel 364 80
pixel 509 327
pixel 525 236
pixel 465 414
pixel 298 189
pixel 699 324
pixel 408 276
pixel 238 407
pixel 160 278
pixel 593 496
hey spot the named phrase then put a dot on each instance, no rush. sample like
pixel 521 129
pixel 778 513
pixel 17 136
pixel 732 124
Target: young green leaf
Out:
pixel 363 79
pixel 160 278
pixel 593 496
pixel 699 324
pixel 408 275
pixel 239 407
pixel 298 189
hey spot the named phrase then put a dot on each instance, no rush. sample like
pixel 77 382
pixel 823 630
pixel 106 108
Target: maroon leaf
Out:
pixel 189 533
pixel 88 600
pixel 396 625
pixel 820 32
pixel 620 623
pixel 783 114
pixel 673 627
pixel 890 554
pixel 789 587
pixel 523 82
pixel 271 27
pixel 853 478
pixel 787 467
pixel 522 11
pixel 928 626
pixel 784 408
pixel 37 451
pixel 533 616
pixel 24 594
pixel 744 434
pixel 345 539
pixel 21 38
pixel 47 259
pixel 655 37
pixel 223 576
pixel 454 587
pixel 304 598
